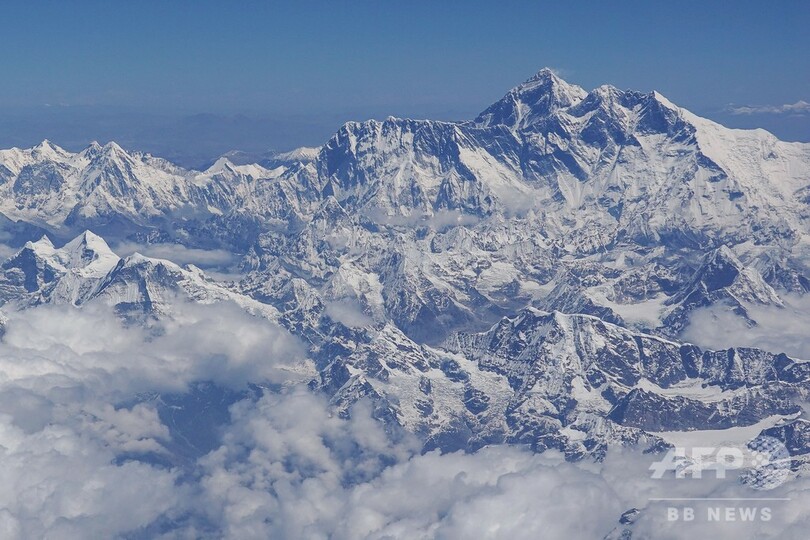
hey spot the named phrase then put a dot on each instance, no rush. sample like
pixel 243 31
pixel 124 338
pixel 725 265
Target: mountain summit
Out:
pixel 594 168
pixel 533 100
pixel 524 277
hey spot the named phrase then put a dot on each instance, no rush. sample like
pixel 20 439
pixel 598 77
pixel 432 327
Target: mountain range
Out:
pixel 524 277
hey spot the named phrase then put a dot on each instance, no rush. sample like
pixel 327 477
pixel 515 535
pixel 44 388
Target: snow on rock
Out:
pixel 522 277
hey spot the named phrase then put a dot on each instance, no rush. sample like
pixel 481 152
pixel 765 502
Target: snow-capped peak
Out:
pixel 112 148
pixel 88 240
pixel 224 166
pixel 221 165
pixel 92 150
pixel 606 93
pixel 547 78
pixel 75 266
pixel 660 98
pixel 47 150
pixel 42 247
pixel 103 156
pixel 532 100
pixel 303 154
pixel 87 254
pixel 137 259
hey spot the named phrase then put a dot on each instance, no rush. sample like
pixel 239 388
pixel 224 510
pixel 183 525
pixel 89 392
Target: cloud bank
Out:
pixel 778 330
pixel 801 107
pixel 180 254
pixel 89 439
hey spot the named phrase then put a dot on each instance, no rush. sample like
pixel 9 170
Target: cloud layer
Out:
pixel 778 330
pixel 88 450
pixel 800 107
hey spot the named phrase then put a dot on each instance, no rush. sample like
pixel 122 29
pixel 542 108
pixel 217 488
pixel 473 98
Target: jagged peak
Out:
pixel 42 249
pixel 43 245
pixel 223 164
pixel 719 269
pixel 534 99
pixel 109 154
pixel 660 98
pixel 541 96
pixel 724 254
pixel 304 154
pixel 535 312
pixel 88 240
pixel 372 124
pixel 605 97
pixel 546 76
pixel 531 315
pixel 46 149
pixel 90 236
pixel 87 253
pixel 607 91
pixel 136 258
pixel 91 149
pixel 538 323
pixel 139 260
pixel 330 210
pixel 112 147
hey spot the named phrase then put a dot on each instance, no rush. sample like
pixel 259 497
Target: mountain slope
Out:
pixel 521 277
pixel 591 169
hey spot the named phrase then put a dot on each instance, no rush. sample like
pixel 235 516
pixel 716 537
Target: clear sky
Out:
pixel 285 74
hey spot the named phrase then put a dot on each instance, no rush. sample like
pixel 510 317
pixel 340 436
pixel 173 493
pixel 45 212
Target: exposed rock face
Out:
pixel 522 277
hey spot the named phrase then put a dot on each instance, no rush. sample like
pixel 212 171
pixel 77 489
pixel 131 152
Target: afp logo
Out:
pixel 765 461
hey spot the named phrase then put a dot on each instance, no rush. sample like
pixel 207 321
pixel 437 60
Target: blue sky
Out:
pixel 71 69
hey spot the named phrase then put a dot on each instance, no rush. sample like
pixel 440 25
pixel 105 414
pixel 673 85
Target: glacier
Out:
pixel 527 277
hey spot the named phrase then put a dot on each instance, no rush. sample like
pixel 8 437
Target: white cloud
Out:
pixel 290 470
pixel 6 251
pixel 61 483
pixel 500 492
pixel 219 343
pixel 778 330
pixel 135 430
pixel 69 443
pixel 800 107
pixel 180 254
pixel 74 435
pixel 349 312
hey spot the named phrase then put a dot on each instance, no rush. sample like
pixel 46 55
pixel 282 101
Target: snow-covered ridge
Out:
pixel 86 270
pixel 616 165
pixel 521 277
pixel 547 379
